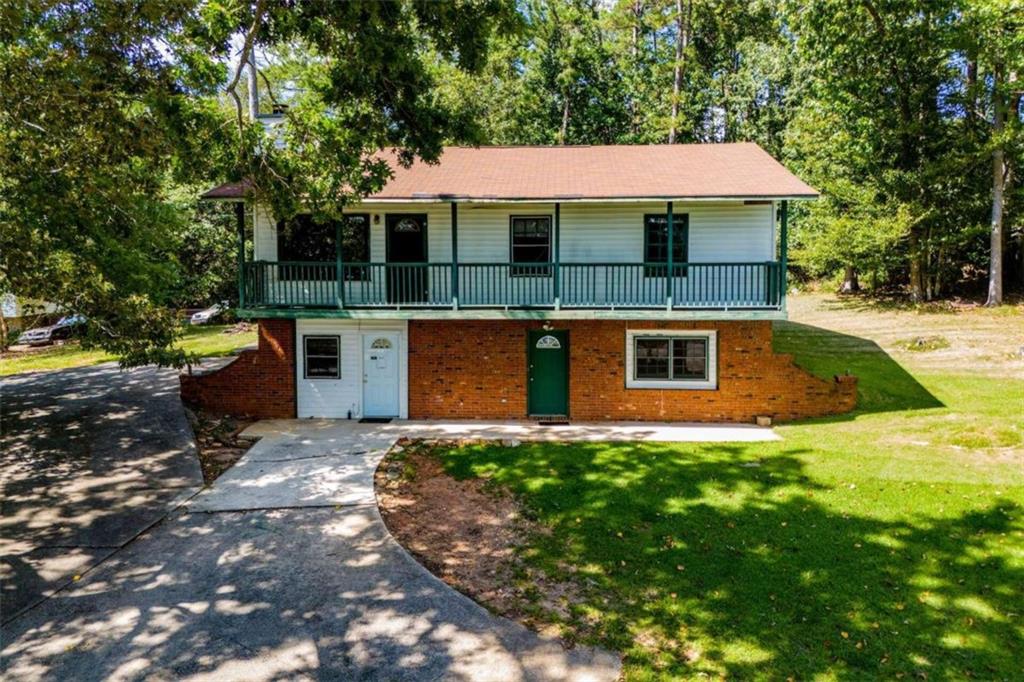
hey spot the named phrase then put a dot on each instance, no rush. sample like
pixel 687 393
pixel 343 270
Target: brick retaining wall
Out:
pixel 258 383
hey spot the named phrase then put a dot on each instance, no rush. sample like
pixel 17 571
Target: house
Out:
pixel 586 283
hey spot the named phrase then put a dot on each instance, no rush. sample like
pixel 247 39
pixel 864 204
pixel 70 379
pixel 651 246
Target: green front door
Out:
pixel 548 373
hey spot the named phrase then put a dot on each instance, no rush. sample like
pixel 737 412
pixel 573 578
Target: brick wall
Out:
pixel 257 383
pixel 477 369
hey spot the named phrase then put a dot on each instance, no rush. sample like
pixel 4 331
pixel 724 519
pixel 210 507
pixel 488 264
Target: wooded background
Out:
pixel 905 114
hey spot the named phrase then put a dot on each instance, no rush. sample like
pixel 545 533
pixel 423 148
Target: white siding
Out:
pixel 719 232
pixel 336 397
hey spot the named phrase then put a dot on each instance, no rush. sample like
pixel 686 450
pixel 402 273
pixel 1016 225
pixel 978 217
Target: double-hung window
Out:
pixel 321 357
pixel 656 243
pixel 671 359
pixel 531 243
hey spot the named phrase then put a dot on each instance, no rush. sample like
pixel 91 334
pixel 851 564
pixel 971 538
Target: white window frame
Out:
pixel 305 356
pixel 710 336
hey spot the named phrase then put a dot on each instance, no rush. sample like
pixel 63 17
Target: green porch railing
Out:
pixel 514 285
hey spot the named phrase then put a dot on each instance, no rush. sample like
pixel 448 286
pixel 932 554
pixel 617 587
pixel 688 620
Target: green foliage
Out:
pixel 106 105
pixel 206 250
pixel 366 84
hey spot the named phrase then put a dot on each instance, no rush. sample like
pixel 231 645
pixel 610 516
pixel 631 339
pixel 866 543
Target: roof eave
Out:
pixel 452 198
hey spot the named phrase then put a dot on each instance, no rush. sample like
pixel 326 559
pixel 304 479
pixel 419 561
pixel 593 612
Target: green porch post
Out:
pixel 240 224
pixel 455 256
pixel 671 249
pixel 558 236
pixel 783 252
pixel 339 262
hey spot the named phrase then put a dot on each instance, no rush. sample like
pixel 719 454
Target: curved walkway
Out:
pixel 282 569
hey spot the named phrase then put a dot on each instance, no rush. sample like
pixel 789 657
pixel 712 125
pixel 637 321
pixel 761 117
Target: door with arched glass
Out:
pixel 380 374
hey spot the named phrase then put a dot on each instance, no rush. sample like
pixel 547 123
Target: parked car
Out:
pixel 63 329
pixel 215 311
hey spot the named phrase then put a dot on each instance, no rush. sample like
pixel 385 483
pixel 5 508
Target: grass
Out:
pixel 208 341
pixel 885 543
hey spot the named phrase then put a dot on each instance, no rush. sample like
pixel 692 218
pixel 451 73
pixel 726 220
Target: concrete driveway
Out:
pixel 283 569
pixel 89 458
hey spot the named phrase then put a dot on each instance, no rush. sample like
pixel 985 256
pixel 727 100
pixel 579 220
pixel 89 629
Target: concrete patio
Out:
pixel 666 432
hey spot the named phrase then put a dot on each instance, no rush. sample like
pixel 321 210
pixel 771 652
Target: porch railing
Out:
pixel 514 285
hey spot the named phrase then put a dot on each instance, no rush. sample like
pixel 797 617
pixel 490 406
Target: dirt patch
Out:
pixel 468 533
pixel 219 442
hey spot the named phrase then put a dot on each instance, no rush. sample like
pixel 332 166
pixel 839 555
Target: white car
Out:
pixel 210 314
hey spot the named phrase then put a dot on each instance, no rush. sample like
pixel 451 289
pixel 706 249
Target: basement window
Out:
pixel 322 357
pixel 682 359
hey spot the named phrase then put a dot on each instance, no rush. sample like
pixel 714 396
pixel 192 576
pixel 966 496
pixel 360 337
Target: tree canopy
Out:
pixel 106 104
pixel 906 114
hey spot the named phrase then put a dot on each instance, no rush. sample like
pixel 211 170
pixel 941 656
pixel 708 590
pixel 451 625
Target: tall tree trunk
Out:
pixel 638 9
pixel 564 130
pixel 916 271
pixel 851 284
pixel 682 41
pixel 995 268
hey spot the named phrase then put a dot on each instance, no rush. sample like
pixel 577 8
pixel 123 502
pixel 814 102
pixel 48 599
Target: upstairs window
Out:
pixel 656 243
pixel 531 243
pixel 302 240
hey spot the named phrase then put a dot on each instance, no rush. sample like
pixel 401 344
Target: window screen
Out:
pixel 322 357
pixel 531 243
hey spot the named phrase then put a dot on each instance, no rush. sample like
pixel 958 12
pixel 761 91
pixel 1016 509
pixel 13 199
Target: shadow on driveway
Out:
pixel 89 458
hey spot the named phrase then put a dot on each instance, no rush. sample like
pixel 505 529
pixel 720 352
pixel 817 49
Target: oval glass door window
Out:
pixel 380 343
pixel 548 342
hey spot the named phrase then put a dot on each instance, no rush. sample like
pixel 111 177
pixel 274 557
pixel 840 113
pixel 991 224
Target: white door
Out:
pixel 380 374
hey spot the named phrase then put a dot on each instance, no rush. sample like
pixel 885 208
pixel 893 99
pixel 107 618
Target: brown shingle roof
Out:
pixel 681 171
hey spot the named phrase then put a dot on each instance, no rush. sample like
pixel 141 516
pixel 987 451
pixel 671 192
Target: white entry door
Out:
pixel 380 374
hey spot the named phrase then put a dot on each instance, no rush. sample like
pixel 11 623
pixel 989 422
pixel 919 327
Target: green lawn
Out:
pixel 886 543
pixel 208 341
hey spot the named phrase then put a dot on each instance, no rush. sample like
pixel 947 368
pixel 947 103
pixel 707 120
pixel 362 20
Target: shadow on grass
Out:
pixel 711 560
pixel 883 385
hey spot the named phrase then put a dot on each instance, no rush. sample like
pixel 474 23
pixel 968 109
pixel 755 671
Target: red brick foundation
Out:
pixel 477 369
pixel 258 383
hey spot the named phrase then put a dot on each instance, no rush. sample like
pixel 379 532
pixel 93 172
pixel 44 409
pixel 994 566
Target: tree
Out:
pixel 104 104
pixel 879 71
pixel 992 35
